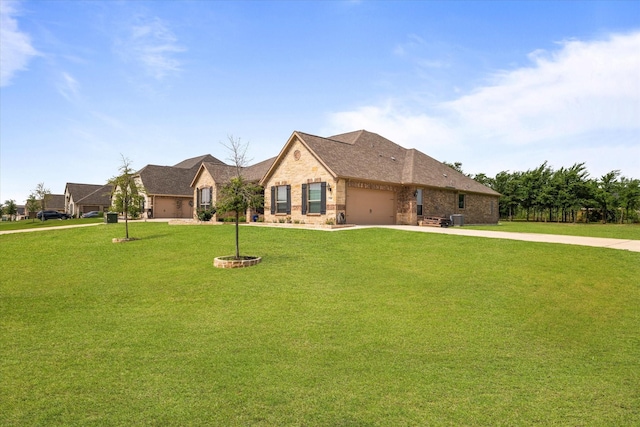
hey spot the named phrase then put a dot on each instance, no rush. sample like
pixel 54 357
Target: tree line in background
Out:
pixel 564 195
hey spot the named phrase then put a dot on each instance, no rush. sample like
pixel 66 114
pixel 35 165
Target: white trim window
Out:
pixel 204 198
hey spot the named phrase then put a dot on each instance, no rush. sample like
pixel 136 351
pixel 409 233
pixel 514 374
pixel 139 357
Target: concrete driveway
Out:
pixel 623 244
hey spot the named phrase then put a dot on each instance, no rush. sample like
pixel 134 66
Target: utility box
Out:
pixel 457 220
pixel 110 217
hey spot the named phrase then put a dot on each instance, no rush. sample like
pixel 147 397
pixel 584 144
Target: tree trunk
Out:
pixel 237 235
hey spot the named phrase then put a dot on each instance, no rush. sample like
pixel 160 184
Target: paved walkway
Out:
pixel 622 244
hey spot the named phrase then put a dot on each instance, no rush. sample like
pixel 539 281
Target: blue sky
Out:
pixel 495 85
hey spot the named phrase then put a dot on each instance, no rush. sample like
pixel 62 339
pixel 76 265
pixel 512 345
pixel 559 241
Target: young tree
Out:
pixel 32 205
pixel 238 195
pixel 42 194
pixel 126 193
pixel 607 194
pixel 10 209
pixel 629 197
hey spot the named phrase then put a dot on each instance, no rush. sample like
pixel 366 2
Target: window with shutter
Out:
pixel 282 196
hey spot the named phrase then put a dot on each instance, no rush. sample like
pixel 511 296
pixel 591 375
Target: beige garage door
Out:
pixel 164 208
pixel 370 207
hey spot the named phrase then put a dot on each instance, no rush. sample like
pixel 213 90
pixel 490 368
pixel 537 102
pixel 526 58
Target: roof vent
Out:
pixel 393 158
pixel 444 174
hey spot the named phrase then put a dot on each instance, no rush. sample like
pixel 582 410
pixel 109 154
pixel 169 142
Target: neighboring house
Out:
pixel 83 198
pixel 167 189
pixel 55 202
pixel 363 178
pixel 212 176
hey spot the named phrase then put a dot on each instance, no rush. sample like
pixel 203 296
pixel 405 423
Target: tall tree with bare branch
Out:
pixel 126 193
pixel 238 195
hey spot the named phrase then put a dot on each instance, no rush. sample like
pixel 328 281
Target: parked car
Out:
pixel 92 214
pixel 52 215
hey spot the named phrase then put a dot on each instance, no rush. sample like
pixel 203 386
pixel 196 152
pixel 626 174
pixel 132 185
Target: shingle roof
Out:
pixel 369 156
pixel 222 173
pixel 257 171
pixel 167 180
pixel 55 202
pixel 101 196
pixel 197 161
pixel 80 191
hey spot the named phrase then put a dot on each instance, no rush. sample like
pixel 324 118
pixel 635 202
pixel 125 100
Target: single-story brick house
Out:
pixel 363 178
pixel 54 202
pixel 212 176
pixel 167 189
pixel 83 198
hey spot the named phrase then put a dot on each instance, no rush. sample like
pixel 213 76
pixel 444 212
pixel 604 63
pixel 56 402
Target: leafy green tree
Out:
pixel 32 205
pixel 508 185
pixel 238 195
pixel 629 198
pixel 127 195
pixel 569 190
pixel 10 209
pixel 42 194
pixel 607 195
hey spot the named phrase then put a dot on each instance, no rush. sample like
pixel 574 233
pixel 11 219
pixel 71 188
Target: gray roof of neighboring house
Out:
pixel 195 162
pixel 167 180
pixel 173 180
pixel 79 191
pixel 55 202
pixel 369 156
pixel 101 196
pixel 257 171
pixel 222 173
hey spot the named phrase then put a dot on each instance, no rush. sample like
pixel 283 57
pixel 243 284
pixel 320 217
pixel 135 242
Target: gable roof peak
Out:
pixel 197 161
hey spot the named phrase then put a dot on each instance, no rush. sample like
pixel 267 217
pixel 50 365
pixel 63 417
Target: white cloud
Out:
pixel 153 45
pixel 68 87
pixel 583 97
pixel 394 123
pixel 583 87
pixel 15 46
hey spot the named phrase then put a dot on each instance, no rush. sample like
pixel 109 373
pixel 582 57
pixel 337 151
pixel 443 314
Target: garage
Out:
pixel 370 207
pixel 169 207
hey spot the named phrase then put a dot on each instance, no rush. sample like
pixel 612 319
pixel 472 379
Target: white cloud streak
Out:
pixel 153 45
pixel 582 94
pixel 68 87
pixel 15 46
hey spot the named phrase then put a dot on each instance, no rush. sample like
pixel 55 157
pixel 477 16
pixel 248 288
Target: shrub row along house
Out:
pixel 356 178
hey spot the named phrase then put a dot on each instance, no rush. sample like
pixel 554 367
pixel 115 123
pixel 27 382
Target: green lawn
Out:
pixel 613 231
pixel 367 327
pixel 36 223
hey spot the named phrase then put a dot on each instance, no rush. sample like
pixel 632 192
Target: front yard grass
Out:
pixel 27 224
pixel 356 328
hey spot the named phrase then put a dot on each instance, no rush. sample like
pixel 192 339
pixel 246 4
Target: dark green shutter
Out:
pixel 304 199
pixel 323 198
pixel 273 200
pixel 288 200
pixel 197 199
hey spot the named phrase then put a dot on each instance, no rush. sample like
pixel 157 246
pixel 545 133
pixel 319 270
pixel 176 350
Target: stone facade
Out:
pixel 297 166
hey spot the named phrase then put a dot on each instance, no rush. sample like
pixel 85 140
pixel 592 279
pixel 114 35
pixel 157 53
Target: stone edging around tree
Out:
pixel 232 262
